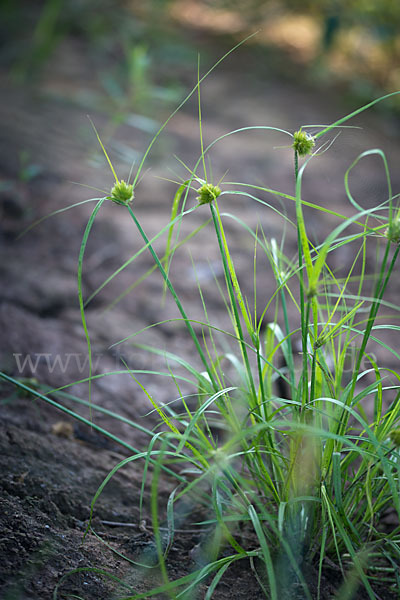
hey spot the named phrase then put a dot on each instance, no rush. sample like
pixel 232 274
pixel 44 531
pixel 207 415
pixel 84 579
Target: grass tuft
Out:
pixel 292 456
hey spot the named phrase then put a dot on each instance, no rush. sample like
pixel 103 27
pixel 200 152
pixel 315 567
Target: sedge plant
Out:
pixel 294 459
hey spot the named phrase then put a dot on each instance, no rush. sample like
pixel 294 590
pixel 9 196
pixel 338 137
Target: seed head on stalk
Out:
pixel 303 142
pixel 122 193
pixel 208 193
pixel 393 231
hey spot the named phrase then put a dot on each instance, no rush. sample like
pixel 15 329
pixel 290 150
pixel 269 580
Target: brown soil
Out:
pixel 51 466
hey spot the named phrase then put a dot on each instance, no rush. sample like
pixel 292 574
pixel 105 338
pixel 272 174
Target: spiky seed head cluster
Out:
pixel 208 193
pixel 303 143
pixel 122 192
pixel 395 437
pixel 393 231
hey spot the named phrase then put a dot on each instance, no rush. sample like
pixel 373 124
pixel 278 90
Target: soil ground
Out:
pixel 51 465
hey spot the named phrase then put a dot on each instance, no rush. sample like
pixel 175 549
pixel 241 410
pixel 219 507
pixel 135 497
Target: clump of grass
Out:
pixel 292 479
pixel 309 474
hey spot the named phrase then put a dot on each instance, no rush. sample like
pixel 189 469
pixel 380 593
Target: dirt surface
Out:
pixel 52 465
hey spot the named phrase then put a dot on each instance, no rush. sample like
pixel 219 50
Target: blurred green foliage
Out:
pixel 124 50
pixel 369 12
pixel 32 30
pixel 133 45
pixel 354 42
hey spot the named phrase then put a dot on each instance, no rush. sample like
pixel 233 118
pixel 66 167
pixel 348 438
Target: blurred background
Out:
pixel 131 62
pixel 139 50
pixel 354 40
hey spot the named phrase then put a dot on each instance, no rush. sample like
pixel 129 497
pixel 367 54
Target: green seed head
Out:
pixel 303 143
pixel 208 193
pixel 395 437
pixel 393 231
pixel 122 192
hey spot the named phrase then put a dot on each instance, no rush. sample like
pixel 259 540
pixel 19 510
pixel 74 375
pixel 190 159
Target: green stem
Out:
pixel 176 299
pixel 378 294
pixel 261 383
pixel 304 314
pixel 289 349
pixel 80 294
pixel 234 305
pixel 379 291
pixel 313 375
